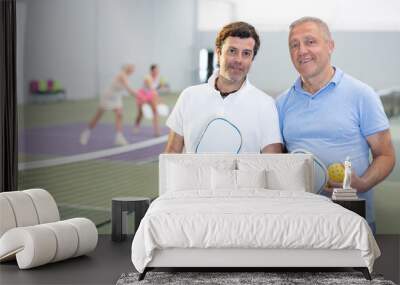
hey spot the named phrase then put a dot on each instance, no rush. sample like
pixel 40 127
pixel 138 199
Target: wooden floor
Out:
pixel 389 262
pixel 111 259
pixel 103 266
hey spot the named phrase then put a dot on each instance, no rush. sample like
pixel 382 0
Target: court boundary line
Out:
pixel 91 155
pixel 84 207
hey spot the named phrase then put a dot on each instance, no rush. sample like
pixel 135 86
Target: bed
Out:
pixel 247 210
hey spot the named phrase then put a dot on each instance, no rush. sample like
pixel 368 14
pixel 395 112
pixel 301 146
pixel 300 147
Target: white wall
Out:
pixel 372 57
pixel 145 32
pixel 174 37
pixel 84 43
pixel 60 44
pixel 125 34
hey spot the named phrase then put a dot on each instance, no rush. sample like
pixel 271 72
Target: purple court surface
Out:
pixel 63 140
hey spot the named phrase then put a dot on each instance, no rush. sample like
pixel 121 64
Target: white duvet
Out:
pixel 250 219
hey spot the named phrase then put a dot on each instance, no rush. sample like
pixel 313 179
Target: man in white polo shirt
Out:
pixel 228 98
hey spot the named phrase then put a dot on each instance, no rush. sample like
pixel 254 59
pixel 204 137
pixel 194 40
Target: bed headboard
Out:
pixel 287 163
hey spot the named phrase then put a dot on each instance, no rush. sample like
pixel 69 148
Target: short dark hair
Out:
pixel 242 30
pixel 153 66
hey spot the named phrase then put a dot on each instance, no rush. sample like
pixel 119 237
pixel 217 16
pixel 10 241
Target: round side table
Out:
pixel 121 207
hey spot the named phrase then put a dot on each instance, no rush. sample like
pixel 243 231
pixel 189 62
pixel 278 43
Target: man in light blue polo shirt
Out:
pixel 334 115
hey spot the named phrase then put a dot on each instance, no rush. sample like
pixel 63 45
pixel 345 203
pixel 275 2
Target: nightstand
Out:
pixel 121 207
pixel 357 206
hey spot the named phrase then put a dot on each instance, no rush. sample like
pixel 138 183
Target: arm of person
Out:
pixel 125 83
pixel 270 130
pixel 273 148
pixel 175 143
pixel 147 83
pixel 383 161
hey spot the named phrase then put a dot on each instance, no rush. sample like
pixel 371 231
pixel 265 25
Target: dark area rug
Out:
pixel 273 278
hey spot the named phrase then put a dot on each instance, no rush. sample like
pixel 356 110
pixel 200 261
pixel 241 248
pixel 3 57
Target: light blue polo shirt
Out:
pixel 333 123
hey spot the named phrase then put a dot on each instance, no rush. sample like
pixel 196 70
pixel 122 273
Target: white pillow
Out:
pixel 185 177
pixel 223 179
pixel 293 180
pixel 282 173
pixel 251 178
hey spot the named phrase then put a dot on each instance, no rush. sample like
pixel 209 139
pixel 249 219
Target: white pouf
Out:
pixel 31 233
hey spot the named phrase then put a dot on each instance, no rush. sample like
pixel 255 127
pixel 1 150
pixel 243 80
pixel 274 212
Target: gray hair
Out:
pixel 321 24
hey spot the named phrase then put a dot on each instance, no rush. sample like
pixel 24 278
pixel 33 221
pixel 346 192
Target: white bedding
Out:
pixel 251 218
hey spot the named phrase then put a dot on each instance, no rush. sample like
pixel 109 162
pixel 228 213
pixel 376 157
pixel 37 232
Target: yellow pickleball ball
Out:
pixel 336 172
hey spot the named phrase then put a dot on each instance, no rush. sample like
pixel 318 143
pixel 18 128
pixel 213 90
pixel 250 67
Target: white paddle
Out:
pixel 221 136
pixel 320 172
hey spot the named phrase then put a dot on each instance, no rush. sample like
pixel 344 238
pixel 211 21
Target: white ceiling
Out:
pixel 276 15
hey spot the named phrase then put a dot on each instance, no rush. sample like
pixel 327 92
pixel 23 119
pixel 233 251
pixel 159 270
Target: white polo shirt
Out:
pixel 252 111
